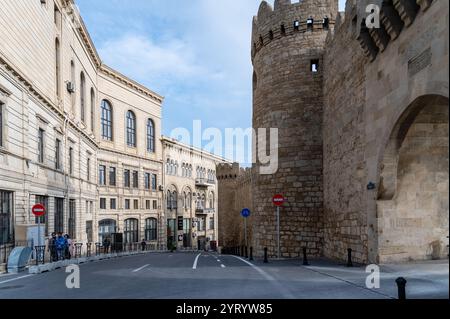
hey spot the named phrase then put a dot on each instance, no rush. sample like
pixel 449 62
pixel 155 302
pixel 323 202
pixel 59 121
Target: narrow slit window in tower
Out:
pixel 314 65
pixel 326 23
pixel 310 23
pixel 283 30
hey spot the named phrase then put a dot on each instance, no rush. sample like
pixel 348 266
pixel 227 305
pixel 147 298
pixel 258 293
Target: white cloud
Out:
pixel 160 64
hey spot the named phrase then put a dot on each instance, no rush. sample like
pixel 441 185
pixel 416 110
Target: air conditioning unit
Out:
pixel 161 188
pixel 71 87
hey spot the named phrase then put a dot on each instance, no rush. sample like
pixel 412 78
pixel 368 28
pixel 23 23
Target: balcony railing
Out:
pixel 204 182
pixel 200 210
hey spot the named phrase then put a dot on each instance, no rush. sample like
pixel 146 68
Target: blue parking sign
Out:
pixel 245 213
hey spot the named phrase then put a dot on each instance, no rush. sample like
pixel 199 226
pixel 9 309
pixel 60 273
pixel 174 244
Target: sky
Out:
pixel 194 53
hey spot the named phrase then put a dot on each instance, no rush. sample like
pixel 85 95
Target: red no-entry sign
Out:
pixel 38 210
pixel 278 200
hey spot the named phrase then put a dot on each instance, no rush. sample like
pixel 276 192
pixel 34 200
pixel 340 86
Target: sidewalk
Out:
pixel 426 280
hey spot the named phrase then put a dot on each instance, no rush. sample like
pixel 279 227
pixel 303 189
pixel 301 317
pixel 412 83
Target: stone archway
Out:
pixel 412 206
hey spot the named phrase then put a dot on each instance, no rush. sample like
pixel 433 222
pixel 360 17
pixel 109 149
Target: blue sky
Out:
pixel 195 53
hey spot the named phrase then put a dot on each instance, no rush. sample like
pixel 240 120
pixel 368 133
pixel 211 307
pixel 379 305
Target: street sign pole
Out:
pixel 39 231
pixel 245 229
pixel 278 231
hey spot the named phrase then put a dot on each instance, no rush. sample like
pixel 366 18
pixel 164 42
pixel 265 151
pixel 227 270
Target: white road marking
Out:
pixel 275 282
pixel 218 260
pixel 14 279
pixel 223 266
pixel 139 269
pixel 196 261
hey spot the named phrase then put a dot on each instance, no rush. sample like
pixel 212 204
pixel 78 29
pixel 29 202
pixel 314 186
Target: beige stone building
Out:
pixel 76 135
pixel 191 196
pixel 363 129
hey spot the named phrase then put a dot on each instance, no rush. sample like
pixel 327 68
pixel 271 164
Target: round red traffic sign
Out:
pixel 278 200
pixel 38 210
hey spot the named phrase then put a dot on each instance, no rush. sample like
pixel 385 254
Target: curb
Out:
pixel 64 263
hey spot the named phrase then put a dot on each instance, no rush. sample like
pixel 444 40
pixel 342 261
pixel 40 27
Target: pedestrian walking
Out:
pixel 51 247
pixel 69 246
pixel 61 244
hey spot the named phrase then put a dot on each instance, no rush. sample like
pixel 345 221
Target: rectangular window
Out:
pixel 211 223
pixel 88 173
pixel 126 178
pixel 136 204
pixel 59 215
pixel 72 218
pixel 6 218
pixel 41 145
pixel 89 231
pixel 71 161
pixel 102 175
pixel 135 179
pixel 112 176
pixel 154 182
pixel 147 180
pixel 102 203
pixel 155 204
pixel 112 203
pixel 147 204
pixel 43 200
pixel 57 154
pixel 127 204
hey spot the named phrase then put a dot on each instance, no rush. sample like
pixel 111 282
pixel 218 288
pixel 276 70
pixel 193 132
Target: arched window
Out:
pixel 203 201
pixel 190 170
pixel 57 69
pixel 175 172
pixel 151 229
pixel 131 129
pixel 168 167
pixel 92 110
pixel 189 201
pixel 106 228
pixel 150 136
pixel 106 120
pixel 174 200
pixel 182 170
pixel 169 200
pixel 82 97
pixel 211 200
pixel 184 200
pixel 131 231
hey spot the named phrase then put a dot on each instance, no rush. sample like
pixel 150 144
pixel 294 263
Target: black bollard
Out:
pixel 238 251
pixel 251 253
pixel 242 251
pixel 266 260
pixel 305 257
pixel 246 252
pixel 349 259
pixel 401 284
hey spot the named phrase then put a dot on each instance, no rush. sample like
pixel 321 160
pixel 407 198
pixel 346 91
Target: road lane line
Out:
pixel 139 269
pixel 14 279
pixel 287 294
pixel 223 266
pixel 218 260
pixel 196 261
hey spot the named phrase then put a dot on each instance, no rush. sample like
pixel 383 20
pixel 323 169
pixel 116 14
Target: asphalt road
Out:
pixel 212 276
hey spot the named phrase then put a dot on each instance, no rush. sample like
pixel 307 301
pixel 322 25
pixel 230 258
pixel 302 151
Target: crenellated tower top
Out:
pixel 288 18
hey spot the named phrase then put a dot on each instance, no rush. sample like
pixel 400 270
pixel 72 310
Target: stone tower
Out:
pixel 287 94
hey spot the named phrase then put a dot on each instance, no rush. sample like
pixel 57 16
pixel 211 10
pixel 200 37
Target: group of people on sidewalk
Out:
pixel 60 246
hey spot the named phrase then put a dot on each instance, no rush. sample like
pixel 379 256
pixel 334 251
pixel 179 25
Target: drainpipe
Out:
pixel 66 177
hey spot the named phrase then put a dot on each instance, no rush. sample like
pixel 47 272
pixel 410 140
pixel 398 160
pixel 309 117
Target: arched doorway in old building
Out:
pixel 413 202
